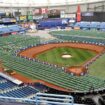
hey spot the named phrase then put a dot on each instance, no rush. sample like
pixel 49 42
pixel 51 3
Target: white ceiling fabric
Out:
pixel 42 2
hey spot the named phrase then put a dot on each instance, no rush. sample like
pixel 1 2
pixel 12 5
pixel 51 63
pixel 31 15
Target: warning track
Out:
pixel 34 51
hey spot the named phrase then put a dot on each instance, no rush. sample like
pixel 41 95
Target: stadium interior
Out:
pixel 52 52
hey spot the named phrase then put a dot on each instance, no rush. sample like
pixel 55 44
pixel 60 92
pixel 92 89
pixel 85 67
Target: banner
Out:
pixel 78 14
pixel 88 14
pixel 13 20
pixel 54 12
pixel 23 17
pixel 68 16
pixel 36 12
pixel 37 17
pixel 30 17
pixel 7 20
pixel 43 10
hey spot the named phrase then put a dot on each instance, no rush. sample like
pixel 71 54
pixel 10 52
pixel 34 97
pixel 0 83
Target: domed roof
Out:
pixel 42 2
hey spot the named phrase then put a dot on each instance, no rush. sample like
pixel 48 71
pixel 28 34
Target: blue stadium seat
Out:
pixel 102 26
pixel 17 91
pixel 20 92
pixel 95 25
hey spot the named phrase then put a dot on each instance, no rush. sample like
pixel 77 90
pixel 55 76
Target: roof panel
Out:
pixel 43 2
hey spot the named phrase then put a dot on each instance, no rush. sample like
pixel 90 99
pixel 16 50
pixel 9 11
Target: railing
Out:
pixel 42 98
pixel 16 81
pixel 54 99
pixel 15 100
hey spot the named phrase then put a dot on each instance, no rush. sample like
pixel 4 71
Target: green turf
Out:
pixel 98 68
pixel 83 33
pixel 54 56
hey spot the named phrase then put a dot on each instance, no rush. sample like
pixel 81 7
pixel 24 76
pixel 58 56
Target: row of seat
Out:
pixel 95 37
pixel 6 85
pixel 9 89
pixel 81 39
pixel 21 92
pixel 1 78
pixel 11 29
pixel 90 25
pixel 52 75
pixel 15 42
pixel 82 33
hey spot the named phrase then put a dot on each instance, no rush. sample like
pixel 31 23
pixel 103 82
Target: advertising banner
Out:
pixel 23 18
pixel 37 17
pixel 30 17
pixel 7 20
pixel 43 10
pixel 13 20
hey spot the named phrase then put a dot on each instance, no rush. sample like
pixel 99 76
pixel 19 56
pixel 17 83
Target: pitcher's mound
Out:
pixel 66 56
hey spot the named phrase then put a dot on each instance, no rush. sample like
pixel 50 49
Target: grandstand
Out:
pixel 10 29
pixel 31 28
pixel 11 89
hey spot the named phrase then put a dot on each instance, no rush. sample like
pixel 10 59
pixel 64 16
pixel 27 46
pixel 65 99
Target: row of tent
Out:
pixel 90 25
pixel 11 29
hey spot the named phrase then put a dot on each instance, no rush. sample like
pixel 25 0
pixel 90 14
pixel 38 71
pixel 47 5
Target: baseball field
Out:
pixel 97 68
pixel 66 56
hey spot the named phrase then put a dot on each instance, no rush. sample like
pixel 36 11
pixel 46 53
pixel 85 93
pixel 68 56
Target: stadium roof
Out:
pixel 43 2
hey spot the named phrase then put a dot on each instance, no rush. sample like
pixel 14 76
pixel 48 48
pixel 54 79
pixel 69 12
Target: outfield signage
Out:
pixel 88 14
pixel 38 17
pixel 13 20
pixel 6 20
pixel 65 15
pixel 23 18
pixel 30 17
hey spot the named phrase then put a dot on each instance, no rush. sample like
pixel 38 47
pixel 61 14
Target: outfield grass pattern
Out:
pixel 98 68
pixel 54 56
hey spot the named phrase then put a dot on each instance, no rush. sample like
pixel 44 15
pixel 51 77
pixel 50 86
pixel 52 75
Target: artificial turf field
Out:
pixel 97 69
pixel 54 56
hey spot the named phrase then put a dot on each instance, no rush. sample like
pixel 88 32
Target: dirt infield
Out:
pixel 77 70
